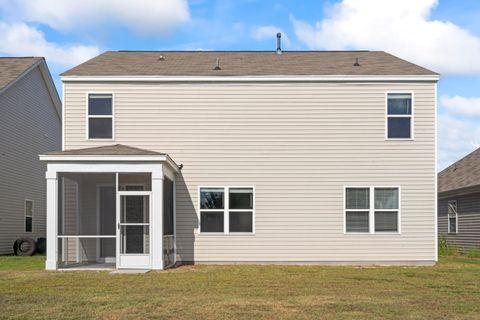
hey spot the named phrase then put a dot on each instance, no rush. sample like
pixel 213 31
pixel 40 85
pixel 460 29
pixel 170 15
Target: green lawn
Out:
pixel 450 290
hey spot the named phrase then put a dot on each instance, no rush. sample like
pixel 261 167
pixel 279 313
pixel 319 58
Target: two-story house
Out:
pixel 30 124
pixel 244 157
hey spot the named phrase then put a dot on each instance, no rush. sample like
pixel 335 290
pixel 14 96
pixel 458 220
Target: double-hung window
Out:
pixel 452 216
pixel 357 210
pixel 372 209
pixel 386 209
pixel 227 210
pixel 100 116
pixel 28 213
pixel 399 116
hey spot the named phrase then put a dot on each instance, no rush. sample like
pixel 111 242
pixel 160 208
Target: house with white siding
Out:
pixel 30 124
pixel 306 157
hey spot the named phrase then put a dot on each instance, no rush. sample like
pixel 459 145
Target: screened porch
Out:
pixel 110 215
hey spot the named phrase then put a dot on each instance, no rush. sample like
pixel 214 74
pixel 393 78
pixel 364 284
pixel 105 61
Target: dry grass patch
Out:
pixel 448 290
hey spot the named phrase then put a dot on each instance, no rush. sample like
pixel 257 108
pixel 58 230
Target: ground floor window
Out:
pixel 372 209
pixel 452 216
pixel 227 210
pixel 28 212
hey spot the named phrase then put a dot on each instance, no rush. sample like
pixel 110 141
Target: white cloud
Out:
pixel 19 39
pixel 269 32
pixel 461 105
pixel 403 28
pixel 146 16
pixel 456 138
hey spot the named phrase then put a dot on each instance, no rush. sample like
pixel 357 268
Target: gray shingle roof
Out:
pixel 245 63
pixel 113 150
pixel 462 174
pixel 11 68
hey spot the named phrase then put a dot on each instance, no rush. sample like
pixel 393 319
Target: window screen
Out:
pixel 28 216
pixel 386 209
pixel 399 116
pixel 357 203
pixel 100 116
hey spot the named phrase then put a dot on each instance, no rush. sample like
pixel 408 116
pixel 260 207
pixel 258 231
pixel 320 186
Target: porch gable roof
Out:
pixel 112 150
pixel 112 153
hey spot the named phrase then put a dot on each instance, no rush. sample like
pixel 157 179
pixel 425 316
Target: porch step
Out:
pixel 130 271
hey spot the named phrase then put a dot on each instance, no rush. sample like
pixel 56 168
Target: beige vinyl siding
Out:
pixel 298 144
pixel 29 126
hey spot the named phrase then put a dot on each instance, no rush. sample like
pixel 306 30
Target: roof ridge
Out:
pixel 271 51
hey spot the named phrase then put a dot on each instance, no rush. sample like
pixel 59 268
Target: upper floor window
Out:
pixel 28 215
pixel 372 209
pixel 100 116
pixel 452 216
pixel 227 210
pixel 399 116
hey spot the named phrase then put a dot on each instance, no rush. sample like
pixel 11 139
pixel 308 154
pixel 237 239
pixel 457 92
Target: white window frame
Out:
pixel 88 116
pixel 371 211
pixel 412 116
pixel 453 216
pixel 226 212
pixel 25 215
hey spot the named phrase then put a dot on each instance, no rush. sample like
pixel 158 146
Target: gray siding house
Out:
pixel 30 123
pixel 244 157
pixel 459 203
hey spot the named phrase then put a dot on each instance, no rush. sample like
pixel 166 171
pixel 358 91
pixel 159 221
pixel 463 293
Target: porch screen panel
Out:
pixel 167 207
pixel 86 219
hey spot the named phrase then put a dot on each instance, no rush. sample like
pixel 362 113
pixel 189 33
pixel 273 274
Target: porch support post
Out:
pixel 157 219
pixel 52 222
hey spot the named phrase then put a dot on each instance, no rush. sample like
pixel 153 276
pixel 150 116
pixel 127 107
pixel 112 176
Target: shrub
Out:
pixel 446 249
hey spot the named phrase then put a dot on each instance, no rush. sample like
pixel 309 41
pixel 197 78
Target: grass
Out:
pixel 449 290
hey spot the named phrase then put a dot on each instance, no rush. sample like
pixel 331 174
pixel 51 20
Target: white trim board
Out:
pixel 110 158
pixel 279 78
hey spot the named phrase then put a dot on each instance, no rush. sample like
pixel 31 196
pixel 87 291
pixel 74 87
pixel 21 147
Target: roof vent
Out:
pixel 161 57
pixel 217 65
pixel 356 64
pixel 279 43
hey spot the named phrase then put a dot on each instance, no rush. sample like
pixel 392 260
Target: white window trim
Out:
pixel 25 215
pixel 412 117
pixel 88 116
pixel 455 216
pixel 226 212
pixel 371 211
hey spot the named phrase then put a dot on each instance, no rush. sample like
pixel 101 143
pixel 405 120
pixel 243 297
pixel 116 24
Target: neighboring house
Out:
pixel 459 203
pixel 30 123
pixel 244 157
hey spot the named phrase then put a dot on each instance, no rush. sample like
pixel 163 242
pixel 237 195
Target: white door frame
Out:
pixel 134 261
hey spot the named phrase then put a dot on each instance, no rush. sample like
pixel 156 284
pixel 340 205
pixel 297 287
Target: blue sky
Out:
pixel 443 35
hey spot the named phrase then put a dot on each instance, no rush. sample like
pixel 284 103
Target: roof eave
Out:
pixel 275 78
pixel 110 158
pixel 47 78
